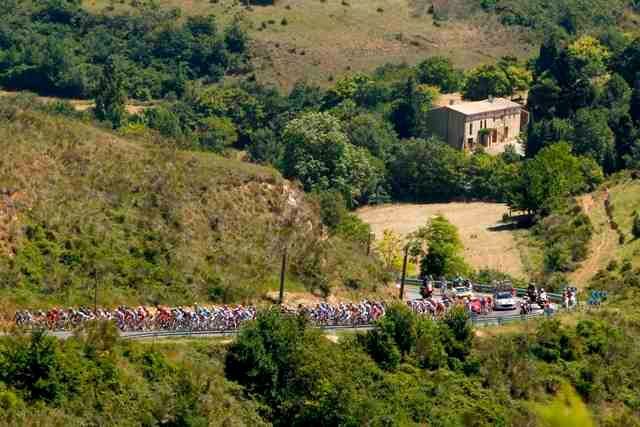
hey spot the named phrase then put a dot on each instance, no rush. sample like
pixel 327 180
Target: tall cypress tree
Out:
pixel 110 94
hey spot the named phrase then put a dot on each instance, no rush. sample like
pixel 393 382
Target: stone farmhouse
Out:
pixel 491 124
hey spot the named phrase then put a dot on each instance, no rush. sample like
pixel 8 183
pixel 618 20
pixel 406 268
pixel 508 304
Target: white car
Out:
pixel 462 292
pixel 504 301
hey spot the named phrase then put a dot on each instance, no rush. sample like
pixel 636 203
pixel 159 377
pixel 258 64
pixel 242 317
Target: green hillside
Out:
pixel 321 40
pixel 150 223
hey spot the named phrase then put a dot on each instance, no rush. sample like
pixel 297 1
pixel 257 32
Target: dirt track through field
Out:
pixel 484 246
pixel 604 242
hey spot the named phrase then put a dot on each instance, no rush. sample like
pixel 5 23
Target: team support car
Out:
pixel 504 301
pixel 462 292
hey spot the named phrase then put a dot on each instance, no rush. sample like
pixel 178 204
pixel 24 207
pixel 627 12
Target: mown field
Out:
pixel 320 40
pixel 486 245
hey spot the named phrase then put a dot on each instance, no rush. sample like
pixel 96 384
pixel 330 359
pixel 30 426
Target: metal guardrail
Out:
pixel 503 320
pixel 213 333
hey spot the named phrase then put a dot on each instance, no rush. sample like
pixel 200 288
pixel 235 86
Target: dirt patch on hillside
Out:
pixel 486 245
pixel 603 245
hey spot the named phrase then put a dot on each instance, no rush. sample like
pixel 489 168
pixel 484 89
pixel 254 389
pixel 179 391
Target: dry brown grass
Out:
pixel 81 105
pixel 328 39
pixel 483 247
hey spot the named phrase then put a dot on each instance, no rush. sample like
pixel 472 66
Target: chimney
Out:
pixel 490 98
pixel 452 101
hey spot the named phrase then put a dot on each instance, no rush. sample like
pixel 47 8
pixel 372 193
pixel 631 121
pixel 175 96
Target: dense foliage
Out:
pixel 582 94
pixel 57 47
pixel 96 379
pixel 413 371
pixel 570 16
pixel 406 371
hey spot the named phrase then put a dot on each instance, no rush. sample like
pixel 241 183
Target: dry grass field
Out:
pixel 483 246
pixel 320 40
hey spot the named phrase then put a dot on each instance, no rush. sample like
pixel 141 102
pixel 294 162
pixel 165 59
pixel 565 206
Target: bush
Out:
pixel 333 209
pixel 635 229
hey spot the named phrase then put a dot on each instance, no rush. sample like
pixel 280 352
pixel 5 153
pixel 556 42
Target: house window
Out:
pixel 471 128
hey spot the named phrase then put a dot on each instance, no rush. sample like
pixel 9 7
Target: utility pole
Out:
pixel 404 271
pixel 282 274
pixel 95 297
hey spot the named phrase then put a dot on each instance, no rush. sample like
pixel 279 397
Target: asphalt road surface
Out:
pixel 412 292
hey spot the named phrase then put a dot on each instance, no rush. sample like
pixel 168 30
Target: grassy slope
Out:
pixel 625 199
pixel 330 38
pixel 624 196
pixel 153 223
pixel 605 245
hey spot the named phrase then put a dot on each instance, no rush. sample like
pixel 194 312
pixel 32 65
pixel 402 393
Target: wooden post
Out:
pixel 282 274
pixel 404 271
pixel 369 244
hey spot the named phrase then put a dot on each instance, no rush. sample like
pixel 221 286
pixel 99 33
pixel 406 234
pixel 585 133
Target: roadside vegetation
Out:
pixel 406 371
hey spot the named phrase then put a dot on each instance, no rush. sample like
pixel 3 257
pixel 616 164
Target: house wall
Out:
pixel 458 129
pixel 448 125
pixel 437 121
pixel 506 123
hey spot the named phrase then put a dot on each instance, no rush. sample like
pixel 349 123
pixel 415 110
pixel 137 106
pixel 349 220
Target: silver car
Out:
pixel 504 301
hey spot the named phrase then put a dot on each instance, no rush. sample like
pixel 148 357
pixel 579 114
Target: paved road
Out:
pixel 412 292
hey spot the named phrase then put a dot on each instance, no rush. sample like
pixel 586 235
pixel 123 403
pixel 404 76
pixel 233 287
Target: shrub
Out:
pixel 635 229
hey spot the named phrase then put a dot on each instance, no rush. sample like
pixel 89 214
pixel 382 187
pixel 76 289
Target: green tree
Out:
pixel 235 38
pixel 370 132
pixel 266 354
pixel 314 151
pixel 485 81
pixel 443 250
pixel 545 98
pixel 34 367
pixel 407 113
pixel 438 71
pixel 457 334
pixel 265 147
pixel 615 97
pixel 548 178
pixel 364 176
pixel 546 132
pixel 333 208
pixel 594 138
pixel 426 170
pixel 635 229
pixel 317 152
pixel 588 57
pixel 217 133
pixel 110 94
